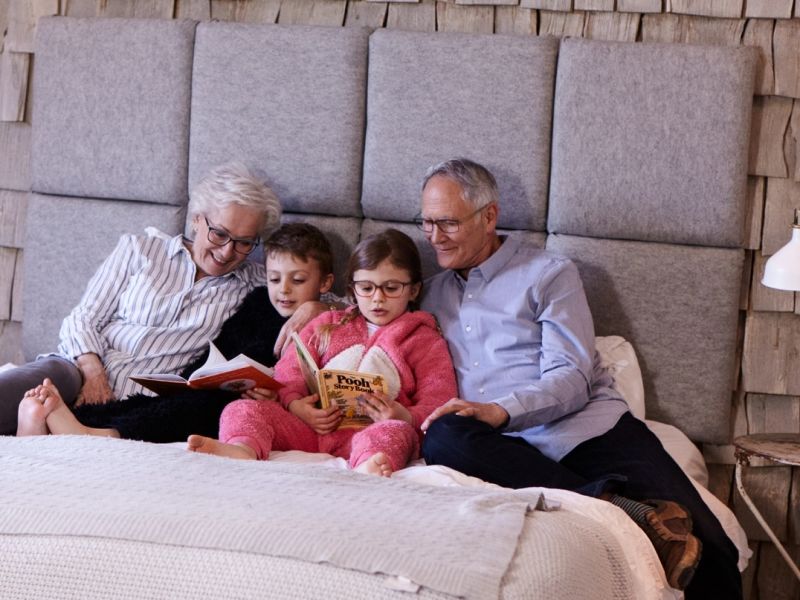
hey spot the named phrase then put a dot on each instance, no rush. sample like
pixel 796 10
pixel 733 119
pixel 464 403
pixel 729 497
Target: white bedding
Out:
pixel 585 549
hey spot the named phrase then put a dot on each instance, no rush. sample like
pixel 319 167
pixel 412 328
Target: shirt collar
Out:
pixel 498 260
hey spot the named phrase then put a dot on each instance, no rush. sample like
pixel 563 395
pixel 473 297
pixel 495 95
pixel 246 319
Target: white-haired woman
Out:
pixel 155 301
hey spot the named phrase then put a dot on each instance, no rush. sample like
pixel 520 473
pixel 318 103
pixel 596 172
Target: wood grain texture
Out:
pixel 754 215
pixel 771 360
pixel 15 163
pixel 13 208
pixel 313 12
pixel 612 26
pixel 770 119
pixel 199 10
pixel 749 590
pixel 562 5
pixel 412 17
pixel 744 292
pixel 775 580
pixel 487 2
pixel 685 29
pixel 768 9
pixel 140 9
pixel 758 34
pixel 14 75
pixel 257 11
pixel 11 342
pixel 560 24
pixel 464 19
pixel 794 508
pixel 80 8
pixel 640 6
pixel 707 8
pixel 768 488
pixel 515 20
pixel 768 413
pixel 783 196
pixel 602 5
pixel 361 13
pixel 786 49
pixel 16 292
pixel 8 260
pixel 720 482
pixel 22 16
pixel 763 298
pixel 791 146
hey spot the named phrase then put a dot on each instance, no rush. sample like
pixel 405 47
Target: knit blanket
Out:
pixel 126 490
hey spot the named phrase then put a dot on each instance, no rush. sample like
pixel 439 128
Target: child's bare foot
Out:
pixel 207 445
pixel 377 464
pixel 34 408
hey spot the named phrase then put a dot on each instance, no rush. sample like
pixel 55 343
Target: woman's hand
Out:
pixel 261 394
pixel 379 407
pixel 95 389
pixel 488 412
pixel 321 420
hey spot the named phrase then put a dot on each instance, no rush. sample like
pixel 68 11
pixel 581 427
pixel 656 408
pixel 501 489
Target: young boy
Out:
pixel 299 265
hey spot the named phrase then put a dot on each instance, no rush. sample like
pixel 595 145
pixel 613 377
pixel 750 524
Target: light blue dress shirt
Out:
pixel 521 335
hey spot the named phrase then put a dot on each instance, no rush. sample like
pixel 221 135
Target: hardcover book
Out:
pixel 338 386
pixel 235 375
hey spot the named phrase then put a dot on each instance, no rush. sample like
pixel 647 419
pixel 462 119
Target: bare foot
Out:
pixel 34 408
pixel 377 464
pixel 207 445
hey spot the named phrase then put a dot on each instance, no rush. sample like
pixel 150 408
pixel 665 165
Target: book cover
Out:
pixel 237 375
pixel 338 386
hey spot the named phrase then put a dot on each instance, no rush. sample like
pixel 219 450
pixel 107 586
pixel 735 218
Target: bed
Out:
pixel 628 158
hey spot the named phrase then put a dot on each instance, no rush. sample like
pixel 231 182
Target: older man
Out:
pixel 536 407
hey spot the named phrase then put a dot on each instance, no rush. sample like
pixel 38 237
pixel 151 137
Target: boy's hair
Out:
pixel 392 245
pixel 302 241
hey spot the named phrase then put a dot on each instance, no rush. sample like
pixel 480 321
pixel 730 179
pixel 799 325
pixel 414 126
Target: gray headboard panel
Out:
pixel 678 306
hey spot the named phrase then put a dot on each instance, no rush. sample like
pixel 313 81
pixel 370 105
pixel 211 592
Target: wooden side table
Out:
pixel 783 448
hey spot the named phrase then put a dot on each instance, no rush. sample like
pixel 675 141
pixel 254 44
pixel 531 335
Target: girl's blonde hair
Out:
pixel 392 245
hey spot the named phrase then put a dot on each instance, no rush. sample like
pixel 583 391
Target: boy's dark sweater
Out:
pixel 251 330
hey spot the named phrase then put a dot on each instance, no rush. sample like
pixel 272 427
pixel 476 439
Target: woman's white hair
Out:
pixel 477 184
pixel 234 183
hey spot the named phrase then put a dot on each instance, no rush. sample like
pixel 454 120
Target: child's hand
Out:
pixel 261 394
pixel 321 420
pixel 379 407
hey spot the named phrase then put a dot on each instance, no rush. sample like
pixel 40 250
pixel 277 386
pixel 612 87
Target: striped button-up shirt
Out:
pixel 143 311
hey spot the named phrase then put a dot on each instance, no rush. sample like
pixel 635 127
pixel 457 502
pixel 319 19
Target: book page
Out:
pixel 308 366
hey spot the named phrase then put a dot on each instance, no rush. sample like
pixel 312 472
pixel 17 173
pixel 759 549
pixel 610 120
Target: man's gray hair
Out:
pixel 477 183
pixel 233 183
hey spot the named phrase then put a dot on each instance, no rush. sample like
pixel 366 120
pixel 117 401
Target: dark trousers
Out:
pixel 15 382
pixel 628 460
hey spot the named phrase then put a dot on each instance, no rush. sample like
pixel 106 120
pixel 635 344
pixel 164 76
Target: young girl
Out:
pixel 378 335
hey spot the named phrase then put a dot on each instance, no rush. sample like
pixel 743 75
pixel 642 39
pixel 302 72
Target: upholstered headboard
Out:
pixel 629 158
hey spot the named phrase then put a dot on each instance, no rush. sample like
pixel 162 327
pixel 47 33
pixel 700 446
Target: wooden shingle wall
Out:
pixel 768 396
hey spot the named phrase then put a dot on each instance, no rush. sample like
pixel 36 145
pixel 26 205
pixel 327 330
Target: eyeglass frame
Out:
pixel 229 238
pixel 419 221
pixel 402 284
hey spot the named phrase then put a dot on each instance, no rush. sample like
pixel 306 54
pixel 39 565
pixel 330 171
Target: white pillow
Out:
pixel 617 355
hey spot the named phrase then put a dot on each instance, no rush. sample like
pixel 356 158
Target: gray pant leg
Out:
pixel 15 382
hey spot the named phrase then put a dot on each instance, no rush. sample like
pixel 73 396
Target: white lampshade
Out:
pixel 782 270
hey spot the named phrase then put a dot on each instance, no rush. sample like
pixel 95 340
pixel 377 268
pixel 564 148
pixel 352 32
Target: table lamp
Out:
pixel 782 270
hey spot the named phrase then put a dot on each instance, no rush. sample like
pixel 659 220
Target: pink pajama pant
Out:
pixel 265 426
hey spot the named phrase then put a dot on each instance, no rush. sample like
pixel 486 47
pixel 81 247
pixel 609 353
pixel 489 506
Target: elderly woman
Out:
pixel 155 301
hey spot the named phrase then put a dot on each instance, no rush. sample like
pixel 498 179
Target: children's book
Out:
pixel 338 386
pixel 235 375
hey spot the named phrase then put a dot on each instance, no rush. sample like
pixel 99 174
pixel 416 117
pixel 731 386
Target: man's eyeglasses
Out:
pixel 444 225
pixel 218 237
pixel 390 289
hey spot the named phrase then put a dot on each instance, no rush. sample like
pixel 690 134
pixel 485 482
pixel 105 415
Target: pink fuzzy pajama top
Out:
pixel 409 352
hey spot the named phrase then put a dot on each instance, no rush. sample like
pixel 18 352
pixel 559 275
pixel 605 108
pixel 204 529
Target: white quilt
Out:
pixel 89 517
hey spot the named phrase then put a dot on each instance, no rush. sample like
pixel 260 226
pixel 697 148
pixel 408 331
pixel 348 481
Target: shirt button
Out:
pixel 468 328
pixel 469 295
pixel 475 364
pixel 481 390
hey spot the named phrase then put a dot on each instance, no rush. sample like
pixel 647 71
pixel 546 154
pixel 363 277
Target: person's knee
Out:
pixel 445 435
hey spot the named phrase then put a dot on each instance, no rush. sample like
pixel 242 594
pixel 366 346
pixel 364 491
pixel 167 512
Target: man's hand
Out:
pixel 379 407
pixel 321 420
pixel 95 388
pixel 491 413
pixel 304 313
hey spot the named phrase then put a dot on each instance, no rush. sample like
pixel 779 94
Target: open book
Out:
pixel 235 375
pixel 338 386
